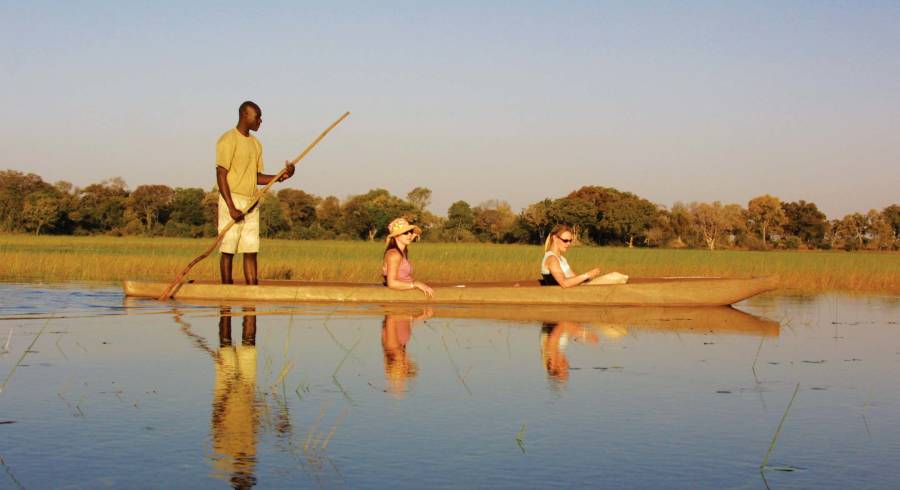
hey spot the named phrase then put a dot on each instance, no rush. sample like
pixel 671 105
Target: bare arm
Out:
pixel 567 282
pixel 392 261
pixel 225 192
pixel 264 179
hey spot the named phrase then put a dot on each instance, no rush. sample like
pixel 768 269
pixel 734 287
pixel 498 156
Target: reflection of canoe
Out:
pixel 718 320
pixel 638 292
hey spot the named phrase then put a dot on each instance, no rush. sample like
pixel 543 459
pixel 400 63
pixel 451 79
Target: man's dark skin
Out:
pixel 249 120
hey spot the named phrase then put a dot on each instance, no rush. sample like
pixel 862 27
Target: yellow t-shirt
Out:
pixel 242 157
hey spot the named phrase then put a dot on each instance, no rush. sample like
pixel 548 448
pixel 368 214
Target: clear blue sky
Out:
pixel 475 100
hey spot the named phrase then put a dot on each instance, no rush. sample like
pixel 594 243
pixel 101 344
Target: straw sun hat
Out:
pixel 400 226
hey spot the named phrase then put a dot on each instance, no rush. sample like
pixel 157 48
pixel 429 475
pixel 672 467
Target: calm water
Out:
pixel 99 391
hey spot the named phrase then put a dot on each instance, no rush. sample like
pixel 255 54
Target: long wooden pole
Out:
pixel 169 292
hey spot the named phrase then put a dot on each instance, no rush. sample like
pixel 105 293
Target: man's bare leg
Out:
pixel 250 269
pixel 225 267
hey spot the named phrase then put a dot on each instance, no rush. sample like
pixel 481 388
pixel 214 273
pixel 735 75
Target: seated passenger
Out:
pixel 396 269
pixel 555 270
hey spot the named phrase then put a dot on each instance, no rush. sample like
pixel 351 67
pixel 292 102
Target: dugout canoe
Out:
pixel 662 291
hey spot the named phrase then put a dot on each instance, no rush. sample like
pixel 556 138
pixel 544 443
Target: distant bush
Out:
pixel 792 242
pixel 753 242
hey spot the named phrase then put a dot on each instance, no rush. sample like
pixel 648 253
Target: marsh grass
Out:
pixel 765 462
pixel 9 473
pixel 65 258
pixel 520 438
pixel 27 351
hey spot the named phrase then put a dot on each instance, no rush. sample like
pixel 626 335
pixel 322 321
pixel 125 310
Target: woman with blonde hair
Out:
pixel 555 270
pixel 396 268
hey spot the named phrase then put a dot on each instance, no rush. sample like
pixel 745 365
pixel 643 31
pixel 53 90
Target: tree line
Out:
pixel 600 215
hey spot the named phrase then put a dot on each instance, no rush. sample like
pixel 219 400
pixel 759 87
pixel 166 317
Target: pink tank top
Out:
pixel 404 272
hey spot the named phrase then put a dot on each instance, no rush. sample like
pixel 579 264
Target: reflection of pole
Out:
pixel 199 341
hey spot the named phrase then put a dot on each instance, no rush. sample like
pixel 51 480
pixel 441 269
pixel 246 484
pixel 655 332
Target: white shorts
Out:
pixel 243 237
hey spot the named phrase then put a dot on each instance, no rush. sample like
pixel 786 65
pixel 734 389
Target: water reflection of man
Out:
pixel 554 340
pixel 396 330
pixel 235 416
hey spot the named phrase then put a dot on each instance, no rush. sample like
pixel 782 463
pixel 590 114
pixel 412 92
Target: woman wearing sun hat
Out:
pixel 396 269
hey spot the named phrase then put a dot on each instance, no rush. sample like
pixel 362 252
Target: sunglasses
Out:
pixel 408 232
pixel 570 240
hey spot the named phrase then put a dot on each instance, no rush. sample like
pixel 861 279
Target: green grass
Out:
pixel 26 258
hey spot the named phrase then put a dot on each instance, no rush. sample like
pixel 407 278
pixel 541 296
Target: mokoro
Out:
pixel 667 291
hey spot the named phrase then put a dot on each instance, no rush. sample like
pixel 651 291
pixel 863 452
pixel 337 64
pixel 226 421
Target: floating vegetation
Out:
pixel 520 438
pixel 9 473
pixel 283 374
pixel 343 359
pixel 8 340
pixel 756 357
pixel 301 388
pixel 764 466
pixel 455 367
pixel 22 357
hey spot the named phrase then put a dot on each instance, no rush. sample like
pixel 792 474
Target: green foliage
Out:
pixel 15 189
pixel 715 221
pixel 765 215
pixel 493 221
pixel 187 206
pixel 367 215
pixel 420 198
pixel 535 221
pixel 891 215
pixel 627 218
pixel 792 242
pixel 298 208
pixel 804 221
pixel 42 210
pixel 328 214
pixel 100 208
pixel 578 213
pixel 460 220
pixel 601 215
pixel 150 204
pixel 272 220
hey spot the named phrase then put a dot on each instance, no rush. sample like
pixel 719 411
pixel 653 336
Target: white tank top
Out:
pixel 563 264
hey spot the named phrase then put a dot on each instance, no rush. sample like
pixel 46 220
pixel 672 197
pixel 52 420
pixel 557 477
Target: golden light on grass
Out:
pixel 65 258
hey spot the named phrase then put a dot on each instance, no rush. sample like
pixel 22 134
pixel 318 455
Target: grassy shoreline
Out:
pixel 27 258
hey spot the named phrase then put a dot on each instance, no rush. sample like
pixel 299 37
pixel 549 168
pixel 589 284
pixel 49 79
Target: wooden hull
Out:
pixel 700 320
pixel 638 292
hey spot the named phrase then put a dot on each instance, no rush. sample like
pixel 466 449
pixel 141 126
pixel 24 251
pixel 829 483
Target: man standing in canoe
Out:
pixel 239 169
